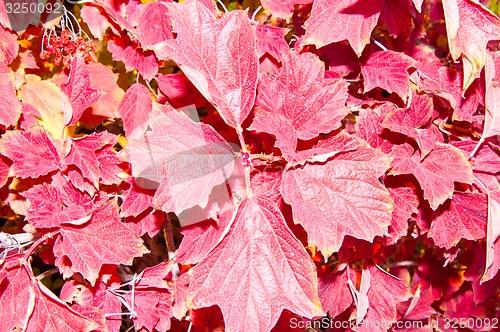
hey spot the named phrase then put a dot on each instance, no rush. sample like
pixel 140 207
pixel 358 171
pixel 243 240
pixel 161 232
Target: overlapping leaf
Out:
pixel 33 154
pixel 189 157
pixel 464 217
pixel 436 173
pixel 257 270
pixel 333 21
pixel 218 56
pixel 469 27
pixel 299 103
pixel 389 71
pixel 10 108
pixel 102 240
pixel 342 197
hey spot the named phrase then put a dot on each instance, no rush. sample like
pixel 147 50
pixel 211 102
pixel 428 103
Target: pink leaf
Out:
pixel 389 71
pixel 136 200
pixel 342 197
pixel 492 96
pixel 369 128
pixel 202 237
pixel 189 157
pixel 134 57
pixel 334 21
pixel 147 222
pixel 82 155
pixel 463 217
pixel 52 207
pixel 436 173
pixel 334 292
pixel 110 165
pixel 134 110
pixel 406 203
pixel 10 107
pixel 283 8
pixel 79 90
pixel 469 27
pixel 103 240
pixel 180 91
pixel 51 314
pixel 258 270
pixel 17 299
pixel 33 154
pixel 95 20
pixel 385 292
pixel 299 103
pixel 8 46
pixel 413 122
pixel 218 56
pixel 271 40
pixel 154 17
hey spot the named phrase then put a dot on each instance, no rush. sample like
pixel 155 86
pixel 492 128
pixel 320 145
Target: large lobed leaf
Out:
pixel 256 271
pixel 342 197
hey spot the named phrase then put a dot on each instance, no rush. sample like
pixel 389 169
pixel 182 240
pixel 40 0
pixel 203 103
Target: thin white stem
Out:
pixel 379 44
pixel 223 6
pixel 151 89
pixel 476 148
pixel 255 13
pixel 47 273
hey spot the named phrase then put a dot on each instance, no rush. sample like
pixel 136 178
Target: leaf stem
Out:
pixel 244 150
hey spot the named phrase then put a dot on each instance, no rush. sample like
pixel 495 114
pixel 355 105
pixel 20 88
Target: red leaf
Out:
pixel 413 122
pixel 492 96
pixel 389 71
pixel 79 90
pixel 10 107
pixel 464 217
pixel 469 27
pixel 154 24
pixel 17 298
pixel 51 207
pixel 110 165
pixel 147 222
pixel 202 237
pixel 180 91
pixel 218 56
pixel 368 127
pixel 136 200
pixel 271 40
pixel 342 197
pixel 51 314
pixel 8 46
pixel 95 20
pixel 283 8
pixel 397 16
pixel 134 57
pixel 134 110
pixel 405 204
pixel 189 157
pixel 436 173
pixel 259 249
pixel 334 292
pixel 385 292
pixel 33 154
pixel 83 155
pixel 103 240
pixel 299 103
pixel 334 21
pixel 4 171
